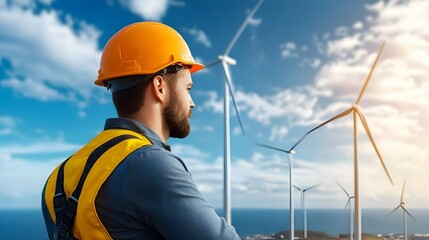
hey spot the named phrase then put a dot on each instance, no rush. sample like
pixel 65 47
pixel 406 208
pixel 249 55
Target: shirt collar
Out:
pixel 132 125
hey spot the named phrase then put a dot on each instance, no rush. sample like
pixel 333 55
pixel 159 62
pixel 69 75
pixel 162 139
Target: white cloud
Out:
pixel 341 31
pixel 320 46
pixel 255 21
pixel 63 60
pixel 398 80
pixel 25 186
pixel 39 90
pixel 177 3
pixel 200 36
pixel 278 133
pixel 312 62
pixel 213 103
pixel 7 121
pixel 290 104
pixel 358 25
pixel 39 147
pixel 209 128
pixel 264 178
pixel 25 3
pixel 341 46
pixel 288 50
pixel 8 124
pixel 15 163
pixel 147 9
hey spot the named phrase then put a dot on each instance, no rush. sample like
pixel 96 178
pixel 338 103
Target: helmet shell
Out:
pixel 143 48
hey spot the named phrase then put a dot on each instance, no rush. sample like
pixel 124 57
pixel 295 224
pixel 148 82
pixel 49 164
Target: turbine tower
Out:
pixel 356 109
pixel 229 89
pixel 349 204
pixel 303 205
pixel 404 212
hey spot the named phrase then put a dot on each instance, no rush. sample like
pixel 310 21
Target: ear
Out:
pixel 159 88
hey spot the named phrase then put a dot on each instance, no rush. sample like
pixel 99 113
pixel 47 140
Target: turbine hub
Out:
pixel 227 59
pixel 356 107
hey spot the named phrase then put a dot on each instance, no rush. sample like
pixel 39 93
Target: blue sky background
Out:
pixel 298 63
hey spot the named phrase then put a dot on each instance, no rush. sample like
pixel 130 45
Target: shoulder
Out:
pixel 155 162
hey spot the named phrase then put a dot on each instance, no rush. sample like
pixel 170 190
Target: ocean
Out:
pixel 28 224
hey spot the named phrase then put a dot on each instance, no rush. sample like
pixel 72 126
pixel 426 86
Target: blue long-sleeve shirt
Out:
pixel 151 195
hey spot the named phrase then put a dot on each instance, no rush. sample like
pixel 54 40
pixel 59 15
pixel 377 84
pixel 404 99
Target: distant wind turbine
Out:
pixel 404 212
pixel 303 205
pixel 290 154
pixel 229 89
pixel 355 108
pixel 349 204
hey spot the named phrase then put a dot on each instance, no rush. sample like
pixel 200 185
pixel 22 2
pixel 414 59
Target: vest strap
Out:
pixel 65 211
pixel 60 196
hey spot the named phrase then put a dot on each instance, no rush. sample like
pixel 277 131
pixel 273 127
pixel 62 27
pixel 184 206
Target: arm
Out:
pixel 166 198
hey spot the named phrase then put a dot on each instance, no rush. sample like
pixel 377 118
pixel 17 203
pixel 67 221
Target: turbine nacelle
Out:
pixel 227 59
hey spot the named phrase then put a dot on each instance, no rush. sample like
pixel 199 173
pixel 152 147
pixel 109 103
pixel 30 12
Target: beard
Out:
pixel 176 118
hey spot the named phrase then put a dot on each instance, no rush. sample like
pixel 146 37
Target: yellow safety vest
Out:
pixel 87 224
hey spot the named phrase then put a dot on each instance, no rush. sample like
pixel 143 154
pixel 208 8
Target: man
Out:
pixel 125 183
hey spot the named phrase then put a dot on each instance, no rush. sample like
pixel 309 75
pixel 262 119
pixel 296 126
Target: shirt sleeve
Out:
pixel 161 192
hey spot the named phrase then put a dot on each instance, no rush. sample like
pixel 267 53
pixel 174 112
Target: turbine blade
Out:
pixel 314 186
pixel 243 25
pixel 368 132
pixel 214 62
pixel 267 146
pixel 231 90
pixel 297 188
pixel 394 209
pixel 402 193
pixel 408 213
pixel 346 112
pixel 370 73
pixel 343 189
pixel 348 202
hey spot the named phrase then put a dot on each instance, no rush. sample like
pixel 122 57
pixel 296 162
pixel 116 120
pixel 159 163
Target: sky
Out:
pixel 299 63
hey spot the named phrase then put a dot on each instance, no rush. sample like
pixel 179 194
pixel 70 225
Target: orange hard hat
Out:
pixel 143 48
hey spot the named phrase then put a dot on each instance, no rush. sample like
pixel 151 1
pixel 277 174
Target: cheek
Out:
pixel 183 100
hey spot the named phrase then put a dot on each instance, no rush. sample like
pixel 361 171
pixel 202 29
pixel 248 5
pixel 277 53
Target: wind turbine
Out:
pixel 404 212
pixel 355 108
pixel 290 154
pixel 229 89
pixel 349 203
pixel 303 205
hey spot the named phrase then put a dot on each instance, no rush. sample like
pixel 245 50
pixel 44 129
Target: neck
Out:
pixel 154 121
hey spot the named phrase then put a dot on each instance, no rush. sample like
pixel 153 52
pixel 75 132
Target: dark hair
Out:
pixel 128 101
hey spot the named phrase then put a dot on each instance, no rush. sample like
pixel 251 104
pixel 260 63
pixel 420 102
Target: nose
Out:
pixel 191 102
